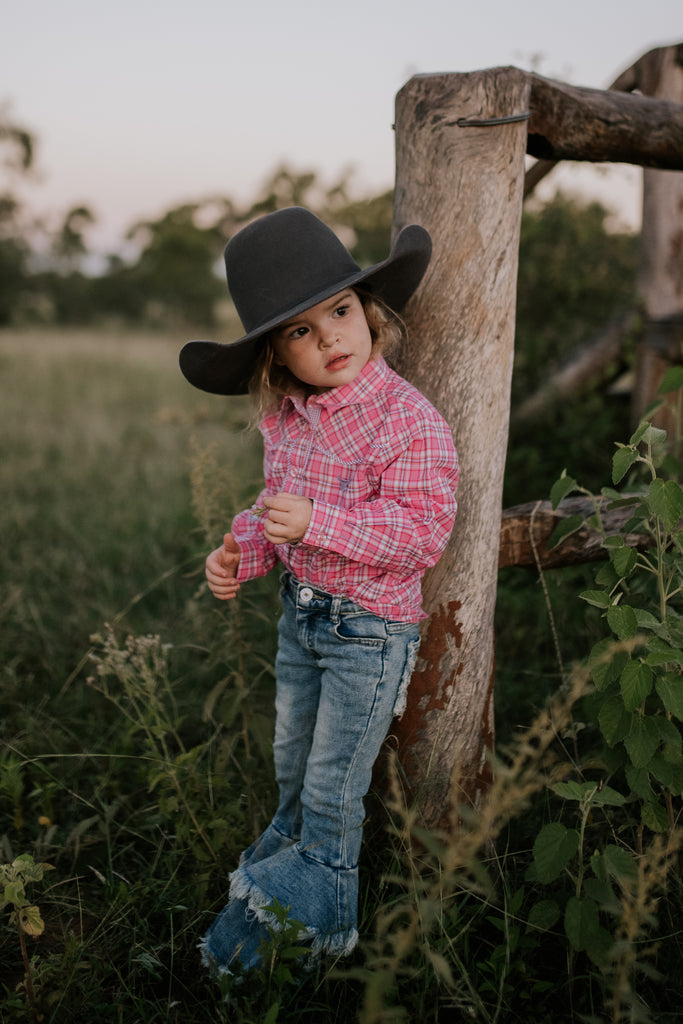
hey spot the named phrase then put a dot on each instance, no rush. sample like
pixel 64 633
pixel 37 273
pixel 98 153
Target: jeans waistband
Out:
pixel 307 596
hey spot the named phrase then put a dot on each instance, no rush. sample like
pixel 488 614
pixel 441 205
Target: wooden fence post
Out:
pixel 660 280
pixel 464 183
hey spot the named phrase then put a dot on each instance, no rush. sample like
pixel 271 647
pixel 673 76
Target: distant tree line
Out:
pixel 574 274
pixel 175 275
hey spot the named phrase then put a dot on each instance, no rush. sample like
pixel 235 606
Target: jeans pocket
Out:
pixel 362 628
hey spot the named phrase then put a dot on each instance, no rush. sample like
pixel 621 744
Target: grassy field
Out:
pixel 135 729
pixel 103 535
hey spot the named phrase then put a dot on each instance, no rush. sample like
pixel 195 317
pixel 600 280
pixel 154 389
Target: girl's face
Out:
pixel 327 345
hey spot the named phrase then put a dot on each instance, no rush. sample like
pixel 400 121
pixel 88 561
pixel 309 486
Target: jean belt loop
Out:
pixel 335 607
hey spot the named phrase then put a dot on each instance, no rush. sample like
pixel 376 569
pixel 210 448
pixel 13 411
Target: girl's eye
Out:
pixel 298 332
pixel 341 311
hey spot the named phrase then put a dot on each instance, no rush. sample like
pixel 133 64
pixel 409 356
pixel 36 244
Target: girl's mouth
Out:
pixel 338 363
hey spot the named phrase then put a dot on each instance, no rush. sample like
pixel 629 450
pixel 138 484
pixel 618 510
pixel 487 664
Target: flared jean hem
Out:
pixel 326 937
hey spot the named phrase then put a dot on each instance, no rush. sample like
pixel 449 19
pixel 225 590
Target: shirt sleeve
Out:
pixel 407 526
pixel 257 555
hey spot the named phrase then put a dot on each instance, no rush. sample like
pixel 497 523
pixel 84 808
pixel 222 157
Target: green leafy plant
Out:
pixel 561 850
pixel 638 668
pixel 25 915
pixel 134 677
pixel 262 992
pixel 626 778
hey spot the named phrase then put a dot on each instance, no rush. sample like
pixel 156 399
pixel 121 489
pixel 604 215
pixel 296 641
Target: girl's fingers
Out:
pixel 225 592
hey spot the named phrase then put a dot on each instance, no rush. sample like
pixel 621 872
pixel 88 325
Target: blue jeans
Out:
pixel 342 673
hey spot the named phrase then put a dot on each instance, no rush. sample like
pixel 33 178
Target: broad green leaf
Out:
pixel 669 688
pixel 571 790
pixel 622 621
pixel 642 428
pixel 600 890
pixel 662 770
pixel 646 620
pixel 588 791
pixel 677 781
pixel 598 598
pixel 634 524
pixel 608 797
pixel 565 528
pixel 660 652
pixel 31 921
pixel 599 948
pixel 639 782
pixel 581 922
pixel 624 560
pixel 606 665
pixel 654 817
pixel 642 740
pixel 674 624
pixel 544 915
pixel 670 738
pixel 597 866
pixel 561 488
pixel 554 847
pixel 30 871
pixel 600 652
pixel 653 435
pixel 13 893
pixel 617 499
pixel 672 380
pixel 614 720
pixel 619 862
pixel 665 500
pixel 636 684
pixel 272 1014
pixel 622 460
pixel 606 576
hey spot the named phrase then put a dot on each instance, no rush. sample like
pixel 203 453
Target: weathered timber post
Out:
pixel 464 183
pixel 660 280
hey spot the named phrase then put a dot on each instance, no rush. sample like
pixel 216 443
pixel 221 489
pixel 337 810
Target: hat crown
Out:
pixel 277 263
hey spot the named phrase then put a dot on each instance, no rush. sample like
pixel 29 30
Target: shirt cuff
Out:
pixel 253 561
pixel 326 522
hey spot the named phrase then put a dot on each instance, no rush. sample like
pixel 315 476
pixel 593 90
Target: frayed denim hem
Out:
pixel 234 938
pixel 209 961
pixel 338 944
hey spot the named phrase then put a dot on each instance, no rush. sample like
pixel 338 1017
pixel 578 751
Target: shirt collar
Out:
pixel 360 389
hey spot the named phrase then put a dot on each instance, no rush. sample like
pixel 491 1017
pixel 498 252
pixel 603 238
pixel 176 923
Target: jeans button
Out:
pixel 305 594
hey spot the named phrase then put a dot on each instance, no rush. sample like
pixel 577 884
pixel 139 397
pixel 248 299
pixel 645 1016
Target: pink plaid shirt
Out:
pixel 379 464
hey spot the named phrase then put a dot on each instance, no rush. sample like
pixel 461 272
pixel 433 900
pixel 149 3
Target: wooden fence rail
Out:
pixel 461 141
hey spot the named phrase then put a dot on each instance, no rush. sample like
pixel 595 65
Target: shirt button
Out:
pixel 305 594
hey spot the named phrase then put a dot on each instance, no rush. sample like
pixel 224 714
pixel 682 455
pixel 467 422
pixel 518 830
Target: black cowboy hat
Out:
pixel 282 264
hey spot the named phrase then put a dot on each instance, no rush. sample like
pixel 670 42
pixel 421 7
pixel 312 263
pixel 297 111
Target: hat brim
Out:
pixel 226 369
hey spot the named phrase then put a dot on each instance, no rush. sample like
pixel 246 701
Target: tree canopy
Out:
pixel 574 274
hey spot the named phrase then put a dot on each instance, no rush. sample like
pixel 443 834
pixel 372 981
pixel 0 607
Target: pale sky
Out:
pixel 140 105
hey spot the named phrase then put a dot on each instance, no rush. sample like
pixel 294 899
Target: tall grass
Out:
pixel 136 745
pixel 97 436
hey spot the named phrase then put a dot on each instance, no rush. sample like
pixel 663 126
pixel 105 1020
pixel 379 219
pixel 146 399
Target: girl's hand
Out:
pixel 287 519
pixel 221 569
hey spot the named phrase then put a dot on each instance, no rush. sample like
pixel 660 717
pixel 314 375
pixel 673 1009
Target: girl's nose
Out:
pixel 327 338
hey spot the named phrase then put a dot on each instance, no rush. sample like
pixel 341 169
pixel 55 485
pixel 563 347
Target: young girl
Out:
pixel 360 477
